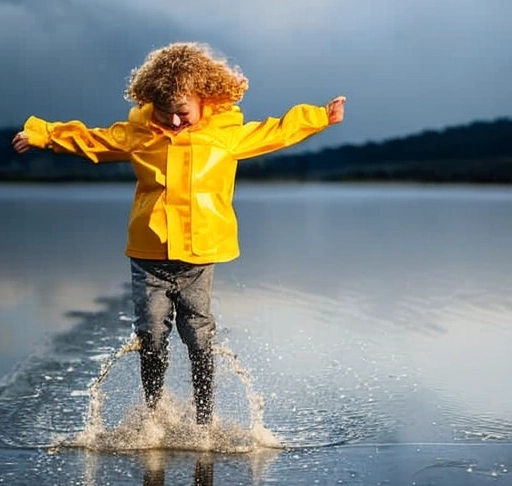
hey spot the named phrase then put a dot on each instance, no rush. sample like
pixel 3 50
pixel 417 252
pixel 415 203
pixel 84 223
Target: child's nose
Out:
pixel 175 119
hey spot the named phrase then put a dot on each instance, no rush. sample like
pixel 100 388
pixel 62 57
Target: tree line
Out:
pixel 479 152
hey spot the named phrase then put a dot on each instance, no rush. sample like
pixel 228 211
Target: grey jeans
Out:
pixel 171 291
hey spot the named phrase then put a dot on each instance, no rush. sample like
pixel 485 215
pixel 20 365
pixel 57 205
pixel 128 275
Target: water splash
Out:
pixel 172 424
pixel 256 400
pixel 96 399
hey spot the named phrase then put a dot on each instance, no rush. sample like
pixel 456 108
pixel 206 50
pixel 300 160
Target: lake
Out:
pixel 364 338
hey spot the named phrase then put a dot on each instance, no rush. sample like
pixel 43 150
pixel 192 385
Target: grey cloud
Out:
pixel 404 65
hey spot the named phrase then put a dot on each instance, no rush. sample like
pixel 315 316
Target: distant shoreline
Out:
pixel 477 153
pixel 276 181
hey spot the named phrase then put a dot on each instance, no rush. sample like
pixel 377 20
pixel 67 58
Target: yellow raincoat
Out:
pixel 182 209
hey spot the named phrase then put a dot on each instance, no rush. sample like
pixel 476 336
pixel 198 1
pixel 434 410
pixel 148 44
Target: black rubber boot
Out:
pixel 153 365
pixel 202 382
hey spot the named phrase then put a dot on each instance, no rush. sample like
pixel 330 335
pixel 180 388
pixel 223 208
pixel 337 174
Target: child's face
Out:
pixel 183 113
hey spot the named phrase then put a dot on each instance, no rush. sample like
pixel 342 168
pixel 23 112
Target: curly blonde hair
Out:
pixel 184 68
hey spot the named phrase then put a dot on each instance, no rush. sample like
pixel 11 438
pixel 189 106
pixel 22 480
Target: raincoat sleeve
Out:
pixel 97 144
pixel 258 138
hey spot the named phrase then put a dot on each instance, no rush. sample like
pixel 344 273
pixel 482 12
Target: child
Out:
pixel 183 139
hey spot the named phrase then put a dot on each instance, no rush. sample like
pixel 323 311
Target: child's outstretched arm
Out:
pixel 97 144
pixel 300 122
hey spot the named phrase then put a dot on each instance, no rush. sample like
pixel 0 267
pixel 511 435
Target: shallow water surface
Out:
pixel 363 338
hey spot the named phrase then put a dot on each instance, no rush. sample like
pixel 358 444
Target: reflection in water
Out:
pixel 160 467
pixel 204 472
pixel 154 469
pixel 199 469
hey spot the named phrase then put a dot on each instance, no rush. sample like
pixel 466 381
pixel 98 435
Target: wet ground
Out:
pixel 363 339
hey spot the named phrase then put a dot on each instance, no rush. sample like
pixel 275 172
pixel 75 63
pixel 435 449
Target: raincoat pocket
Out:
pixel 214 226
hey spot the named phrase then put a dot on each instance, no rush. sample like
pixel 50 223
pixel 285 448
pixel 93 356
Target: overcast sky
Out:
pixel 404 65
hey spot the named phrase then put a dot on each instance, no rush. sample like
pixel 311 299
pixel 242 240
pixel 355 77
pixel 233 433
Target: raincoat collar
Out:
pixel 232 117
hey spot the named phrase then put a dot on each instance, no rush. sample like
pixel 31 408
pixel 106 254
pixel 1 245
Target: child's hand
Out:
pixel 20 143
pixel 336 109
